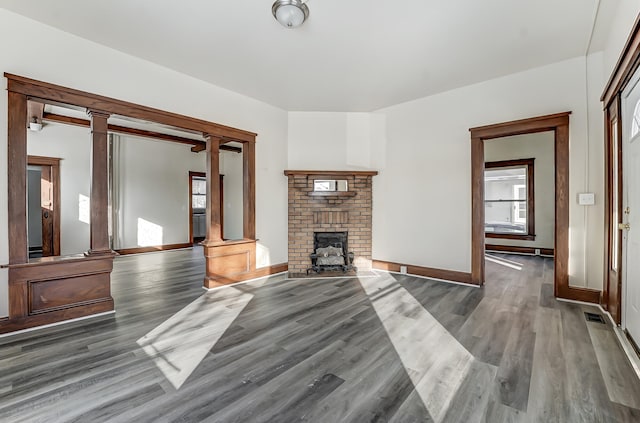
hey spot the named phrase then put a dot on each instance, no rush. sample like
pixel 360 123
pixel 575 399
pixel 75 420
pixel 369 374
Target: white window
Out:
pixel 508 199
pixel 199 193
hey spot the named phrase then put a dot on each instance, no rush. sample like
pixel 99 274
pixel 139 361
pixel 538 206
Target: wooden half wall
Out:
pixel 53 289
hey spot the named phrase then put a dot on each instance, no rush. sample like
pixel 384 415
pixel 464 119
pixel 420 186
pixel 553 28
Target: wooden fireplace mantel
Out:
pixel 331 172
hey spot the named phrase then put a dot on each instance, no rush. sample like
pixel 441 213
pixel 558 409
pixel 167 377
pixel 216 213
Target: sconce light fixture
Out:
pixel 34 125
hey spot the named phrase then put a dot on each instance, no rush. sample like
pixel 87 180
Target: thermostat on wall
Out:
pixel 586 199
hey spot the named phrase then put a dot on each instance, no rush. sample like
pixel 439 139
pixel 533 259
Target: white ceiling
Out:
pixel 351 55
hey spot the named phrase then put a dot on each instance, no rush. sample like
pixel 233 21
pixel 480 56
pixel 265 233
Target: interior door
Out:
pixel 631 225
pixel 46 207
pixel 49 202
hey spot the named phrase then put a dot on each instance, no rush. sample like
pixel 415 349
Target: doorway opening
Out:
pixel 558 124
pixel 198 206
pixel 43 206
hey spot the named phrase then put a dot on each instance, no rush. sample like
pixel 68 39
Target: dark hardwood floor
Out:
pixel 388 348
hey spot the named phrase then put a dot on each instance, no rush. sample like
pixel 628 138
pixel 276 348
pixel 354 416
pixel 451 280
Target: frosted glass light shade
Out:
pixel 290 13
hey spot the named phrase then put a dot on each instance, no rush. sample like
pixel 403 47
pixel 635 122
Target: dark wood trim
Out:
pixel 197 145
pixel 81 310
pixel 20 90
pixel 561 262
pixel 229 262
pixel 55 93
pixel 612 288
pixel 332 193
pixel 332 172
pixel 607 211
pixel 54 289
pixel 17 177
pixel 559 123
pixel 531 198
pixel 477 211
pixel 510 163
pixel 34 110
pixel 166 247
pixel 585 295
pixel 43 161
pixel 249 191
pixel 428 272
pixel 270 270
pixel 53 261
pixel 214 224
pixel 99 193
pixel 510 236
pixel 521 126
pixel 54 164
pixel 258 273
pixel 519 250
pixel 626 65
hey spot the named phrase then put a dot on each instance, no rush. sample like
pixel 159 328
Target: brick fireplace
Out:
pixel 312 211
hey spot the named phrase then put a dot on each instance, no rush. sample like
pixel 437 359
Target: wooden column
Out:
pixel 249 190
pixel 561 254
pixel 214 225
pixel 99 226
pixel 17 177
pixel 477 211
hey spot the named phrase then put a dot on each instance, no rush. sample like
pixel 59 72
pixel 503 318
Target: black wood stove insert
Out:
pixel 330 252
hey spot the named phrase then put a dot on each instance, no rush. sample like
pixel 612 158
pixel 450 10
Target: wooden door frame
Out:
pixel 54 164
pixel 612 297
pixel 204 175
pixel 559 124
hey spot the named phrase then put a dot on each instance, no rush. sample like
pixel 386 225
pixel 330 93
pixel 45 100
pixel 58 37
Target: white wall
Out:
pixel 625 16
pixel 153 206
pixel 430 136
pixel 424 218
pixel 74 62
pixel 330 140
pixel 539 146
pixel 72 145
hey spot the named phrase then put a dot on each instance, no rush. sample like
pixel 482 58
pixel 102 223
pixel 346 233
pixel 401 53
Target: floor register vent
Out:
pixel 593 317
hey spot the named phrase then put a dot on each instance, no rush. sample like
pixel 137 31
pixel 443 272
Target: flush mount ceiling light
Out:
pixel 290 13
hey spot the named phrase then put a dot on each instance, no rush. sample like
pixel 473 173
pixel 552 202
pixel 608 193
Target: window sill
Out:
pixel 526 237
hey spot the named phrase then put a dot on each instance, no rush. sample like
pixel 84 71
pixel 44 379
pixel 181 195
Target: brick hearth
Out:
pixel 329 213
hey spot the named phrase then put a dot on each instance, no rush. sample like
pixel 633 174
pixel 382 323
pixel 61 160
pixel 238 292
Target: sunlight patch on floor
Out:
pixel 435 361
pixel 180 343
pixel 503 262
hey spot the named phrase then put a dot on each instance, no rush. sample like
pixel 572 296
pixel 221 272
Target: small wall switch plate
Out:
pixel 586 199
pixel 403 269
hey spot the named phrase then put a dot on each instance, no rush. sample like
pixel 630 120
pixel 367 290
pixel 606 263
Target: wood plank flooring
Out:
pixel 386 348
